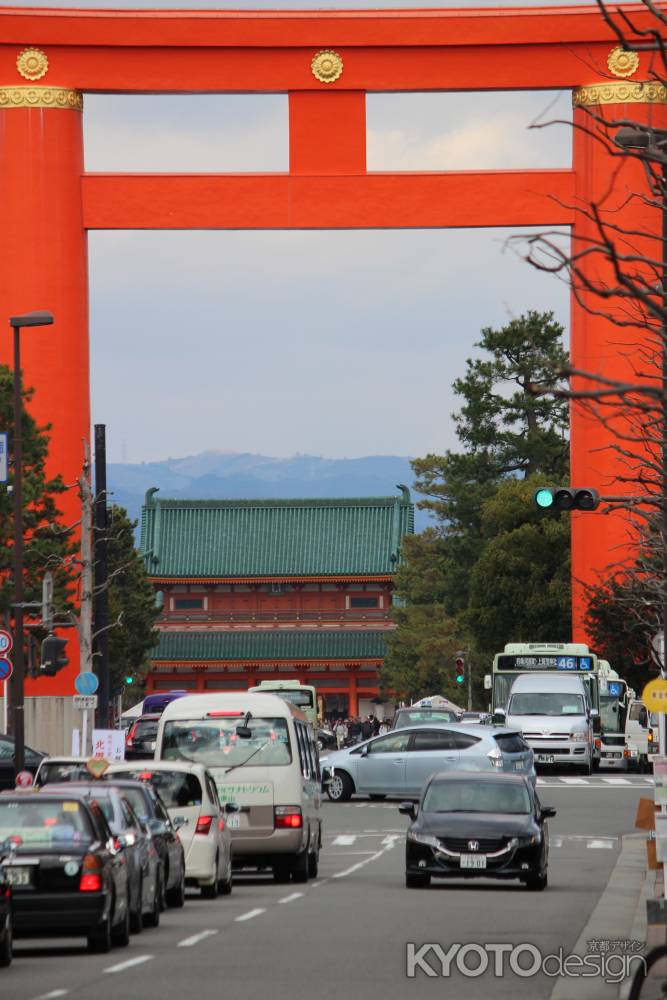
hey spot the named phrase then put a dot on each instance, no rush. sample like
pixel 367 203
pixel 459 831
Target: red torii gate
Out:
pixel 326 61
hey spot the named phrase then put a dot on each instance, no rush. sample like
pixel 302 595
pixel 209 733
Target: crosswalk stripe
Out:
pixel 617 781
pixel 574 781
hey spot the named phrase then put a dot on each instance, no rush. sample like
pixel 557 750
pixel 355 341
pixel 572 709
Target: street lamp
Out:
pixel 651 145
pixel 17 323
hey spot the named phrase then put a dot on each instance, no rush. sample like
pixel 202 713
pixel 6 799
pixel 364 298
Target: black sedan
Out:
pixel 141 738
pixel 67 876
pixel 33 759
pixel 150 809
pixel 6 921
pixel 477 825
pixel 133 835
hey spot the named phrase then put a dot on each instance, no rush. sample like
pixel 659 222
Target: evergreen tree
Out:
pixel 132 607
pixel 48 544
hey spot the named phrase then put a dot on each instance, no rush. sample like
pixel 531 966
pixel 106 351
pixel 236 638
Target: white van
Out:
pixel 553 713
pixel 641 736
pixel 262 755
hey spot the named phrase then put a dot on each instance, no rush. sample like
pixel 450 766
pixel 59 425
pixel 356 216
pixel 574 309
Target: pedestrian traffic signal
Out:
pixel 561 498
pixel 53 655
pixel 460 670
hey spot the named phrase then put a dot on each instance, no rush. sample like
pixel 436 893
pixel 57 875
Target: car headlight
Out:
pixel 579 736
pixel 423 838
pixel 528 841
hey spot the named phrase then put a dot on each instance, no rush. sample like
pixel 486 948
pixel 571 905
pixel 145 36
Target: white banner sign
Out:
pixel 109 743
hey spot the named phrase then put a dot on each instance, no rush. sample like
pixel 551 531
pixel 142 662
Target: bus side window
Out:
pixel 303 751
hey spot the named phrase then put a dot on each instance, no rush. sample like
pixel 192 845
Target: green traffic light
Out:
pixel 544 498
pixel 129 680
pixel 460 678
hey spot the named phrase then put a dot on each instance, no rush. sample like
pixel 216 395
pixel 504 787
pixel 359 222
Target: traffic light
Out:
pixel 53 655
pixel 561 498
pixel 129 679
pixel 460 669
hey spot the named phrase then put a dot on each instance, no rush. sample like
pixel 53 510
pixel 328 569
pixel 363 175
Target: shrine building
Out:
pixel 254 590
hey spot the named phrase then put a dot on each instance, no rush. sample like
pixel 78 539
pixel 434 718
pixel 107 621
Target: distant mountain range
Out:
pixel 216 475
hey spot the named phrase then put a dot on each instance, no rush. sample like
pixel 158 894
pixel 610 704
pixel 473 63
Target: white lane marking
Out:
pixel 361 805
pixel 189 942
pixel 574 781
pixel 359 864
pixel 617 781
pixel 600 843
pixel 344 840
pixel 649 781
pixel 291 898
pixel 52 995
pixel 555 842
pixel 540 781
pixel 249 915
pixel 122 966
pixel 390 840
pixel 347 854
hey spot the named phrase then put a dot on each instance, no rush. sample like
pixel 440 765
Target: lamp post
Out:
pixel 17 686
pixel 653 144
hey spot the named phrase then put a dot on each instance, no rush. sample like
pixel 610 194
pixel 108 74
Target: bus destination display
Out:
pixel 506 662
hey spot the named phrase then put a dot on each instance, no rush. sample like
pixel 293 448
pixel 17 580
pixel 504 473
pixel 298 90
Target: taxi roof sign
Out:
pixel 97 766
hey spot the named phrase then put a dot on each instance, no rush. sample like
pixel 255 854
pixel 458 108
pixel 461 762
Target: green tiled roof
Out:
pixel 265 538
pixel 271 645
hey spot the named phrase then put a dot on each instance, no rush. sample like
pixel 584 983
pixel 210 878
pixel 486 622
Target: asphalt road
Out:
pixel 347 931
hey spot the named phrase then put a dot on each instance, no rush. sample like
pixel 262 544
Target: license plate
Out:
pixel 611 755
pixel 545 758
pixel 18 876
pixel 473 861
pixel 518 765
pixel 234 821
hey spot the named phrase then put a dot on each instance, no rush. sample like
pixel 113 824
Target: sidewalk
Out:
pixel 620 914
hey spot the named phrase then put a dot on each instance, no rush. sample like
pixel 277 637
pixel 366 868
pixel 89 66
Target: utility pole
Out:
pixel 85 622
pixel 101 575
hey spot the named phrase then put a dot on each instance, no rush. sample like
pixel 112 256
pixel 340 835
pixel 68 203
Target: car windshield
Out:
pixel 216 741
pixel 546 703
pixel 177 789
pixel 476 796
pixel 57 822
pixel 145 730
pixel 419 716
pixel 52 772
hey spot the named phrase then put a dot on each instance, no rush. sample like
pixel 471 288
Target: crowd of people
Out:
pixel 356 729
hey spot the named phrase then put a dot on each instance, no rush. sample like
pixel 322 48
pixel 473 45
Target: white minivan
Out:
pixel 262 755
pixel 555 718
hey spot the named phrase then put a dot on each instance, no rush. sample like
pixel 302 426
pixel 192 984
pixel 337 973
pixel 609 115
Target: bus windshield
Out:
pixel 611 714
pixel 215 742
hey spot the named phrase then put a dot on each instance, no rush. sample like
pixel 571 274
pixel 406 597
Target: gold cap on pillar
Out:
pixel 619 92
pixel 41 97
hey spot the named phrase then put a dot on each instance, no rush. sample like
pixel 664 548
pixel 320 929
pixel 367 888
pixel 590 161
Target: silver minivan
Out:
pixel 553 713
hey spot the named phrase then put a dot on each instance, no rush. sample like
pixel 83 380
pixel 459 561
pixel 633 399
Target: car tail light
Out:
pixel 221 824
pixel 91 874
pixel 204 825
pixel 145 776
pixel 287 817
pixel 128 740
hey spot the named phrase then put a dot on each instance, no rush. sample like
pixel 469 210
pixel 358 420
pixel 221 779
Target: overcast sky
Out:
pixel 331 343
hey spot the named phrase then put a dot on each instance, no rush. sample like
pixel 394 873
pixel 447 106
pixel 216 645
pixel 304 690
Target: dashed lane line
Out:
pixel 129 963
pixel 52 995
pixel 344 840
pixel 291 897
pixel 190 942
pixel 600 843
pixel 250 915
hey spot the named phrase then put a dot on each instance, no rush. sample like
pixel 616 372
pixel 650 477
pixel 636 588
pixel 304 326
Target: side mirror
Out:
pixel 179 821
pixel 488 682
pixel 232 807
pixel 499 716
pixel 547 812
pixel 408 809
pixel 157 827
pixel 364 752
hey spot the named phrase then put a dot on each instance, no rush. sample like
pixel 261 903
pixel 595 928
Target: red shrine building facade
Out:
pixel 254 590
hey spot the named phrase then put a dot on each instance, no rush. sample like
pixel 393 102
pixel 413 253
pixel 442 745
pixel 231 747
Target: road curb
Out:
pixel 617 916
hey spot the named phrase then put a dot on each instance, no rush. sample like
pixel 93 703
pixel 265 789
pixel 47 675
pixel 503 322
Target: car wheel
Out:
pixel 121 934
pixel 225 885
pixel 7 943
pixel 211 891
pixel 537 883
pixel 137 916
pixel 300 867
pixel 596 763
pixel 99 940
pixel 340 787
pixel 313 864
pixel 163 893
pixel 153 918
pixel 176 895
pixel 416 881
pixel 377 798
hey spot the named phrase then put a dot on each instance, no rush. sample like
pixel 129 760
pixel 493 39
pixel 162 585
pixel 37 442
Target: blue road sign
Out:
pixel 4 464
pixel 5 669
pixel 86 683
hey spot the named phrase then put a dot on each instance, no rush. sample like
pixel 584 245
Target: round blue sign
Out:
pixel 5 669
pixel 86 683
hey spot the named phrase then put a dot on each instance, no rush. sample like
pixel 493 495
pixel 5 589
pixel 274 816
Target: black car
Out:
pixel 33 759
pixel 67 875
pixel 326 740
pixel 151 810
pixel 6 921
pixel 477 825
pixel 133 834
pixel 141 738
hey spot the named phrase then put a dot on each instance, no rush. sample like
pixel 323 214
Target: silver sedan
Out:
pixel 401 762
